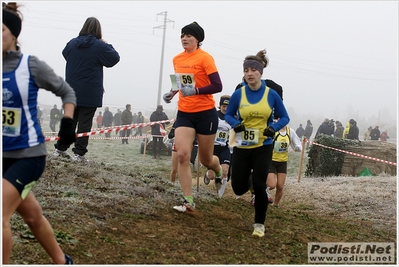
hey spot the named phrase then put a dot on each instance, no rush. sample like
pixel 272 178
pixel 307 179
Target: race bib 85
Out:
pixel 250 137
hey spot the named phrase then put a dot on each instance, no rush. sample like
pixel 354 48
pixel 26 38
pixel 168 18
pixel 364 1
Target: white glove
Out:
pixel 297 149
pixel 169 96
pixel 188 90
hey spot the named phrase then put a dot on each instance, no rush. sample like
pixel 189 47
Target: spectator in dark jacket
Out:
pixel 157 115
pixel 300 131
pixel 86 56
pixel 339 131
pixel 118 119
pixel 108 118
pixel 375 133
pixel 353 130
pixel 139 119
pixel 55 117
pixel 308 132
pixel 127 119
pixel 325 128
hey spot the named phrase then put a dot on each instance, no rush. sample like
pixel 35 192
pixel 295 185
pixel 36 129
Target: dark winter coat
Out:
pixel 300 131
pixel 353 132
pixel 86 56
pixel 140 118
pixel 158 115
pixel 375 134
pixel 108 118
pixel 325 128
pixel 118 119
pixel 55 114
pixel 339 132
pixel 308 130
pixel 127 117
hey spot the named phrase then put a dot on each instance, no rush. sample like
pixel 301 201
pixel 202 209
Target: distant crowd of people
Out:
pixel 125 117
pixel 336 129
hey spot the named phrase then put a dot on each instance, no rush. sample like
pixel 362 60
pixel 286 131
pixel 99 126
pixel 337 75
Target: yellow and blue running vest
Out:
pixel 254 117
pixel 280 146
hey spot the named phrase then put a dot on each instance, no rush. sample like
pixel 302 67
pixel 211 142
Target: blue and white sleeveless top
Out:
pixel 21 128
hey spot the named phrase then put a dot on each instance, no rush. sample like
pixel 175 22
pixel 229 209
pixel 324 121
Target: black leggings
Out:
pixel 258 161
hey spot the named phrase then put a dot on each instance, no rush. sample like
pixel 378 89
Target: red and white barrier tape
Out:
pixel 113 129
pixel 129 138
pixel 350 153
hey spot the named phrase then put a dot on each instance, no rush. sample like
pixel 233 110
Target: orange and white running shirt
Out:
pixel 200 64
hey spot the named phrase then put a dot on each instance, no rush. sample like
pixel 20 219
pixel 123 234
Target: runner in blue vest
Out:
pixel 24 148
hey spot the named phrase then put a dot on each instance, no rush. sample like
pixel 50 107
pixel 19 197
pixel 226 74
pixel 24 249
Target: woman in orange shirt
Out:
pixel 197 79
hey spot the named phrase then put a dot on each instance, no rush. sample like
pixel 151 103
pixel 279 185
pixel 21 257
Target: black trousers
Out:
pixel 156 145
pixel 83 120
pixel 125 133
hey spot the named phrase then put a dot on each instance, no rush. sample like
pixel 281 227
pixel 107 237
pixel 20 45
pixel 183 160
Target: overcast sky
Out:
pixel 334 59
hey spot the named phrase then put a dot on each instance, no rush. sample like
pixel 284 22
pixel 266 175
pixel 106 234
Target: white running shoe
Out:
pixel 223 188
pixel 60 153
pixel 259 230
pixel 185 206
pixel 206 178
pixel 80 158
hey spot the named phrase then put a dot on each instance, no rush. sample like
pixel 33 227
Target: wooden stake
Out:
pixel 198 170
pixel 145 146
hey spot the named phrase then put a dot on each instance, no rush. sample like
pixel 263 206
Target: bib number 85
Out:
pixel 249 135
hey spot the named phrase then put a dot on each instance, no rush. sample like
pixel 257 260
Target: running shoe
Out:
pixel 68 260
pixel 60 153
pixel 259 230
pixel 185 206
pixel 252 201
pixel 79 158
pixel 223 188
pixel 206 178
pixel 269 197
pixel 218 183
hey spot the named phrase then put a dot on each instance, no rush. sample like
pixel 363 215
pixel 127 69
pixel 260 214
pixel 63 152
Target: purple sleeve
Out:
pixel 214 87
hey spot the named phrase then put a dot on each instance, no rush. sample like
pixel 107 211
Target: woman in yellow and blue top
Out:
pixel 283 139
pixel 250 113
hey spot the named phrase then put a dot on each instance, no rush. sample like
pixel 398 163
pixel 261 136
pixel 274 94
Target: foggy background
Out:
pixel 336 60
